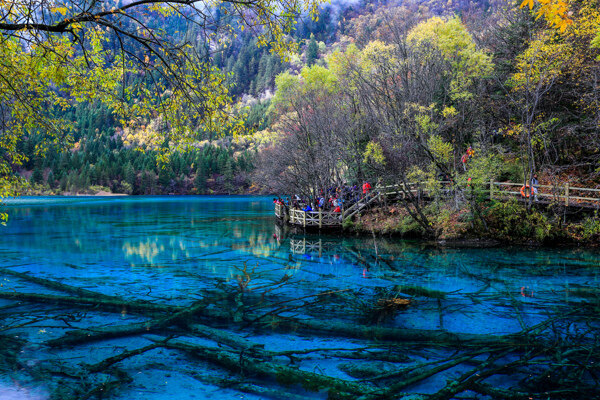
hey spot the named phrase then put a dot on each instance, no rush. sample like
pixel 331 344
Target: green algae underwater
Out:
pixel 208 298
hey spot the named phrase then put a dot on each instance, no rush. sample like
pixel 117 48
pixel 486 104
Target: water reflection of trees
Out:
pixel 143 234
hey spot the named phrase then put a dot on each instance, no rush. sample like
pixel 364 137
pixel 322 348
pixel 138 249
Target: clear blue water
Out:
pixel 177 250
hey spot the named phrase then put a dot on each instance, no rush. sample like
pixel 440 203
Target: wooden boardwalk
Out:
pixel 547 194
pixel 317 219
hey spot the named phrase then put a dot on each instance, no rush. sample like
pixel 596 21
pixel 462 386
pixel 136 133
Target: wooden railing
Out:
pixel 360 205
pixel 279 210
pixel 402 189
pixel 564 194
pixel 315 218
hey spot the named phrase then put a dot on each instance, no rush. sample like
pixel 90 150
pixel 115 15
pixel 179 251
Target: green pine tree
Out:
pixel 312 51
pixel 37 176
pixel 51 180
pixel 200 180
pixel 129 174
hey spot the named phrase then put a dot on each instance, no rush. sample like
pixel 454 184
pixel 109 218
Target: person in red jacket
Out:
pixel 366 188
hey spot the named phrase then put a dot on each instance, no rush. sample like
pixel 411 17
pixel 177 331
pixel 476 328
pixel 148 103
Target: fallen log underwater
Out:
pixel 211 318
pixel 329 328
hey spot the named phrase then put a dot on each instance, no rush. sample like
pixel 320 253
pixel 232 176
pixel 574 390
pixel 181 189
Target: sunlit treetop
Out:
pixel 574 27
pixel 542 63
pixel 451 39
pixel 556 12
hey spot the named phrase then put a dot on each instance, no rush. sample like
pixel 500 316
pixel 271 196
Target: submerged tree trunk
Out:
pixel 212 319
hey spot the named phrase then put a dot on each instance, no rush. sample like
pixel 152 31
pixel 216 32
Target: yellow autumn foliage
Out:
pixel 555 12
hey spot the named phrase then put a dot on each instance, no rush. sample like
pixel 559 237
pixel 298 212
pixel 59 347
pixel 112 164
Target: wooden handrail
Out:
pixel 322 218
pixel 360 206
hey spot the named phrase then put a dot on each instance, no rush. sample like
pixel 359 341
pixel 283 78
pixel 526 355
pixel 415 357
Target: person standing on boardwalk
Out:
pixel 464 159
pixel 366 189
pixel 534 186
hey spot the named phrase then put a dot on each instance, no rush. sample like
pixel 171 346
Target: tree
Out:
pixel 556 12
pixel 228 172
pixel 553 94
pixel 312 123
pixel 165 177
pixel 51 180
pixel 539 68
pixel 37 176
pixel 148 182
pixel 129 175
pixel 455 44
pixel 312 51
pixel 60 53
pixel 422 85
pixel 200 180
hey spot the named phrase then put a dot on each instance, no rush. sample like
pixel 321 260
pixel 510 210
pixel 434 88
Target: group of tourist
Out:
pixel 332 199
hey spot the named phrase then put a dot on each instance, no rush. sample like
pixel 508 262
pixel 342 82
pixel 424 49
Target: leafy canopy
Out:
pixel 555 12
pixel 456 45
pixel 57 54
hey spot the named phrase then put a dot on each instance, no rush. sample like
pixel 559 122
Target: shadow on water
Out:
pixel 207 297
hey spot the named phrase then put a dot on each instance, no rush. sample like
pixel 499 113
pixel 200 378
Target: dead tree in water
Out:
pixel 551 358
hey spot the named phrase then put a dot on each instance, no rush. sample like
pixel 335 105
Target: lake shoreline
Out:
pixel 37 193
pixel 469 242
pixel 391 221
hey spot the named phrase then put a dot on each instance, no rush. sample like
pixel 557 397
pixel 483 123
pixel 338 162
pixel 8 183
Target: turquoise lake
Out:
pixel 374 314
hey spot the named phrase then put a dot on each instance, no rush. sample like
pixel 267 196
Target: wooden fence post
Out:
pixel 567 194
pixel 491 189
pixel 304 219
pixel 320 218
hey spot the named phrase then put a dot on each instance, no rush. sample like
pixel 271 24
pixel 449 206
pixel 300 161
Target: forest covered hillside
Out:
pixel 104 154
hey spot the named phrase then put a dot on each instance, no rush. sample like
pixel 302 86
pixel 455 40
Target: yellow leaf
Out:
pixel 527 3
pixel 61 10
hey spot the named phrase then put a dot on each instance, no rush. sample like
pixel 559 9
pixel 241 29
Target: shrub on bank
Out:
pixel 511 221
pixel 591 228
pixel 508 221
pixel 448 223
pixel 393 220
pixel 586 231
